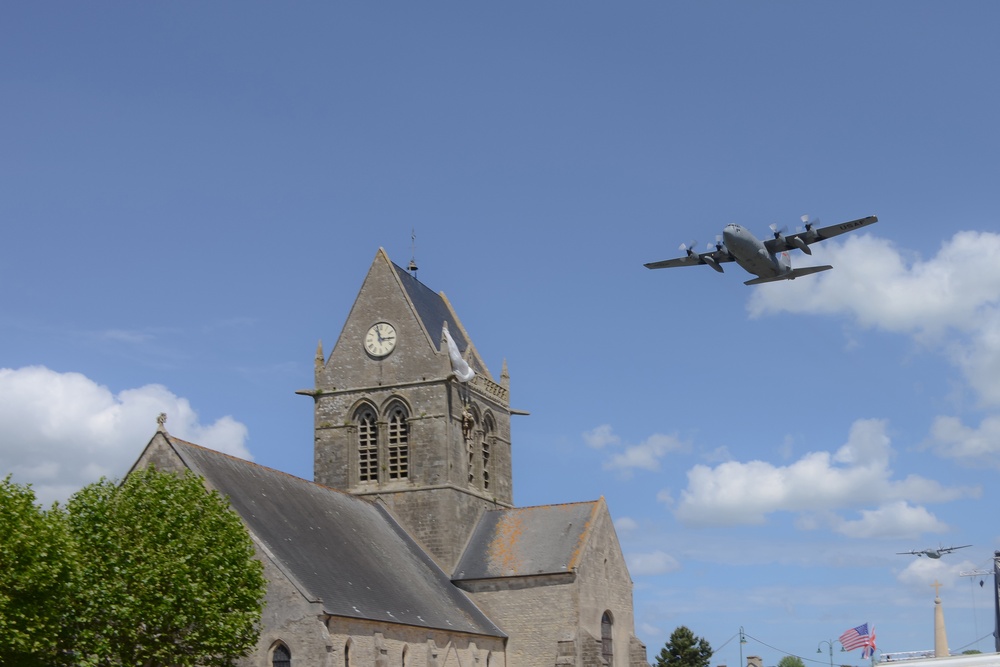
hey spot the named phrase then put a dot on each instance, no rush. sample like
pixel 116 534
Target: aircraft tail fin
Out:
pixel 791 275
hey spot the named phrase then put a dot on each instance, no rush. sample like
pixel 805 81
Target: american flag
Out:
pixel 856 638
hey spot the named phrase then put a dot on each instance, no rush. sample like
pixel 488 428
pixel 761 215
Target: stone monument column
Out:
pixel 940 637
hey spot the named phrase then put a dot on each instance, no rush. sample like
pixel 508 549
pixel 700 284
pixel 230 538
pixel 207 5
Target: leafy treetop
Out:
pixel 684 649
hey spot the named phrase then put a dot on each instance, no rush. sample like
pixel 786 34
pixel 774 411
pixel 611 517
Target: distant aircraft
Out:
pixel 768 260
pixel 932 553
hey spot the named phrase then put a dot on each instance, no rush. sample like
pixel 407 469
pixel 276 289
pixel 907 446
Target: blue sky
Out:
pixel 191 194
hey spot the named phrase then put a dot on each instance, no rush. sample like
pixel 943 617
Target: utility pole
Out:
pixel 996 600
pixel 975 616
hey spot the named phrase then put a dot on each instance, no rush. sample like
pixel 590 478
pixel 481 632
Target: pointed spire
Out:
pixel 504 376
pixel 319 363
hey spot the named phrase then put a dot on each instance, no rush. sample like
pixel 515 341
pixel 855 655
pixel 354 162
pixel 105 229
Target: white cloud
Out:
pixel 601 437
pixel 656 562
pixel 645 455
pixel 979 358
pixel 856 475
pixel 626 525
pixel 873 281
pixel 922 573
pixel 718 454
pixel 951 300
pixel 60 431
pixel 950 438
pixel 896 519
pixel 666 497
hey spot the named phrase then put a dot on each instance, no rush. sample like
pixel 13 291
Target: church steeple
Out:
pixel 393 420
pixel 319 361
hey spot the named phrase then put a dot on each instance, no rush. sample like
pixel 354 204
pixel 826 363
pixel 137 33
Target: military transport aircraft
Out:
pixel 768 260
pixel 932 553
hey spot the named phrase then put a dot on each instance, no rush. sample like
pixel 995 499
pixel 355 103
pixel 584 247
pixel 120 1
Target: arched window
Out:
pixel 347 654
pixel 470 427
pixel 281 656
pixel 367 445
pixel 487 437
pixel 399 444
pixel 405 660
pixel 607 647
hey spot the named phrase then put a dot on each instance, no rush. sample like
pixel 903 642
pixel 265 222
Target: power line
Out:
pixel 783 652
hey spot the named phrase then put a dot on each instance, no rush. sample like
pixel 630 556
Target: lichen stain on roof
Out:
pixel 575 556
pixel 504 553
pixel 527 541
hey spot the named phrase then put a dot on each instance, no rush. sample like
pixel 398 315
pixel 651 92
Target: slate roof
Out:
pixel 346 552
pixel 433 311
pixel 527 541
pixel 431 308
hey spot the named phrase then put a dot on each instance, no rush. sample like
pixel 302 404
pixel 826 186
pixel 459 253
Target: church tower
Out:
pixel 394 422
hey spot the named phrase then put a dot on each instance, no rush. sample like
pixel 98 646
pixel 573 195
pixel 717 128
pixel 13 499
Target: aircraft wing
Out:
pixel 801 240
pixel 909 553
pixel 948 550
pixel 791 275
pixel 713 258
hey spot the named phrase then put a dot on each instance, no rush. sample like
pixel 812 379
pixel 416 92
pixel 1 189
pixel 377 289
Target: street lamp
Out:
pixel 830 645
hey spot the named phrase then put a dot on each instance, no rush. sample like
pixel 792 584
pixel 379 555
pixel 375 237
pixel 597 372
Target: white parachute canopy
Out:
pixel 458 365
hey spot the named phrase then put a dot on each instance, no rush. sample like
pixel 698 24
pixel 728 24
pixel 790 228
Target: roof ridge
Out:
pixel 173 439
pixel 537 507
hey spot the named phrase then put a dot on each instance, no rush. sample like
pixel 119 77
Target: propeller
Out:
pixel 719 246
pixel 689 249
pixel 809 234
pixel 779 234
pixel 810 223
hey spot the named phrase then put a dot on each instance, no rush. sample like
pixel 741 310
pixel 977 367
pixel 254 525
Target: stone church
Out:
pixel 407 550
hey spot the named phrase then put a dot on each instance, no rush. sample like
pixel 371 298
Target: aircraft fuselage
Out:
pixel 750 253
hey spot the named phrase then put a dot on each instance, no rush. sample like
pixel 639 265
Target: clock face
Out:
pixel 380 339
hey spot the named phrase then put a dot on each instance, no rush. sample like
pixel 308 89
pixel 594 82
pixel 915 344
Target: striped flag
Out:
pixel 869 649
pixel 855 638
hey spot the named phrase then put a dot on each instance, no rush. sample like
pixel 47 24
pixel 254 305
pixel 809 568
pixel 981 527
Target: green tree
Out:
pixel 791 661
pixel 171 578
pixel 684 649
pixel 36 577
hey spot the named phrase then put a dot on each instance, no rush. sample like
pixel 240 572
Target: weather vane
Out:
pixel 412 268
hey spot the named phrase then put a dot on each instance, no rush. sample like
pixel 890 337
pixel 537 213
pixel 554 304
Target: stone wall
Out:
pixel 291 619
pixel 535 612
pixel 360 643
pixel 606 586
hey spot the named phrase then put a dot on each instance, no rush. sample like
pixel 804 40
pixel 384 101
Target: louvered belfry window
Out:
pixel 367 446
pixel 487 435
pixel 399 445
